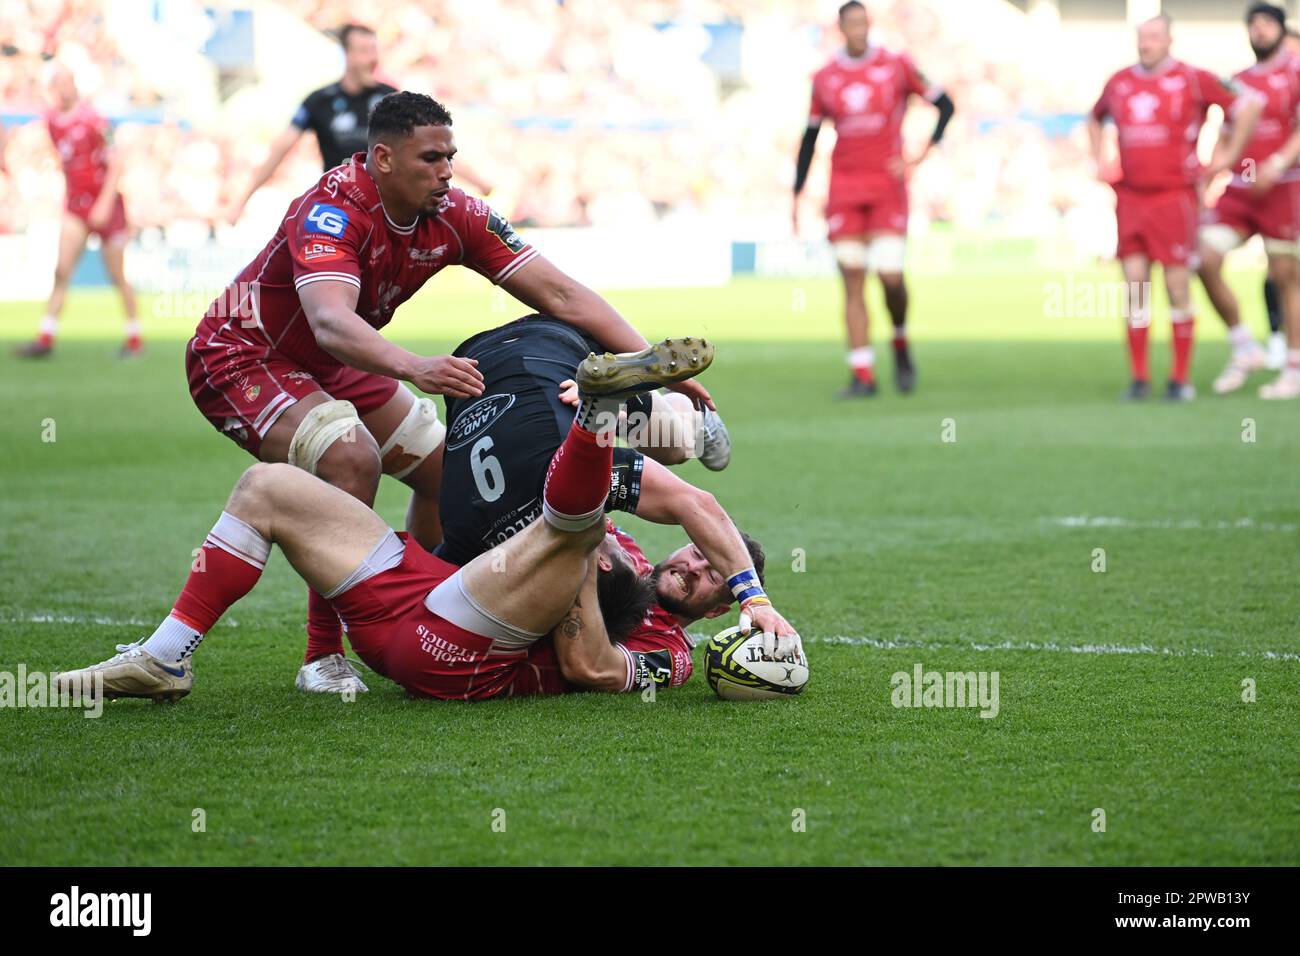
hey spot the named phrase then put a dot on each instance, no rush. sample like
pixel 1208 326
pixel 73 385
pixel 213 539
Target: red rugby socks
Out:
pixel 1183 326
pixel 324 632
pixel 577 482
pixel 1137 352
pixel 226 568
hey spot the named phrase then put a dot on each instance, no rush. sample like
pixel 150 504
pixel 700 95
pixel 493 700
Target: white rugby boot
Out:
pixel 133 672
pixel 1284 388
pixel 715 441
pixel 1239 368
pixel 331 674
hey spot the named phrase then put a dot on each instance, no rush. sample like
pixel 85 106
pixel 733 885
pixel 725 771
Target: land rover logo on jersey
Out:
pixel 476 419
pixel 499 227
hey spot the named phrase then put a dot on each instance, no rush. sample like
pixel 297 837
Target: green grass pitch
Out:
pixel 887 546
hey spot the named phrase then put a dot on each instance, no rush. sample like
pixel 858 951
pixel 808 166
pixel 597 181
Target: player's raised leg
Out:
pixel 114 252
pixel 529 582
pixel 73 234
pixel 325 533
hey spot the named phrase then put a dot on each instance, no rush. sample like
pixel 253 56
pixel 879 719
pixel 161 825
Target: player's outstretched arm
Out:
pixel 543 287
pixel 330 308
pixel 582 645
pixel 667 499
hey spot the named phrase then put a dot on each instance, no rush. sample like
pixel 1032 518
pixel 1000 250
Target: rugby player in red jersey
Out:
pixel 439 630
pixel 1263 197
pixel 92 206
pixel 864 91
pixel 289 362
pixel 1158 106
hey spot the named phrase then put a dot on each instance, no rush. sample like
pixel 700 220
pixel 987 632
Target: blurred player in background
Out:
pixel 337 115
pixel 289 363
pixel 864 91
pixel 92 205
pixel 1277 343
pixel 1158 106
pixel 1263 197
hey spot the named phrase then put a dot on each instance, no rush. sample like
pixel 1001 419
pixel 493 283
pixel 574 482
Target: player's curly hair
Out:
pixel 624 597
pixel 398 114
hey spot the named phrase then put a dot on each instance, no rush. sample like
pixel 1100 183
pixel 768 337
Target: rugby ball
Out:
pixel 737 669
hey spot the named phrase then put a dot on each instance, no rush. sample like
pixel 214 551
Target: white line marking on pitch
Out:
pixel 1169 524
pixel 904 643
pixel 94 619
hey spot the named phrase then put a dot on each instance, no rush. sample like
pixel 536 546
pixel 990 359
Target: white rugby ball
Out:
pixel 738 670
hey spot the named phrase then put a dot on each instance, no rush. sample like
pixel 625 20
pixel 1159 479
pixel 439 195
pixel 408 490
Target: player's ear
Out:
pixel 382 155
pixel 718 611
pixel 604 563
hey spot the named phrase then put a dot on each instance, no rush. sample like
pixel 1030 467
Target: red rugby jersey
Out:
pixel 1159 114
pixel 81 138
pixel 339 230
pixel 1277 82
pixel 866 98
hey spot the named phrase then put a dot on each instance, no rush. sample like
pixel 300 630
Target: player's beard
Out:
pixel 670 603
pixel 1263 54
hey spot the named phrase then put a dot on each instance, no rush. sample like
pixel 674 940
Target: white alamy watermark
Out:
pixel 923 688
pixel 670 429
pixel 1091 299
pixel 75 908
pixel 37 689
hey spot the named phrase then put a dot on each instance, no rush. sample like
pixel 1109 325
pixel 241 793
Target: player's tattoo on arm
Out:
pixel 571 624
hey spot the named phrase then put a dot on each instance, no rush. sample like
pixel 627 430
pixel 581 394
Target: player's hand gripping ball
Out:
pixel 737 669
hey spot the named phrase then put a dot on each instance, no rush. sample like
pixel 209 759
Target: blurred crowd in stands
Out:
pixel 583 112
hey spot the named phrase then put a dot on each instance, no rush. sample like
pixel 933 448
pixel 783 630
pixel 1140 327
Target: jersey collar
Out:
pixel 1273 63
pixel 843 58
pixel 1164 66
pixel 359 186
